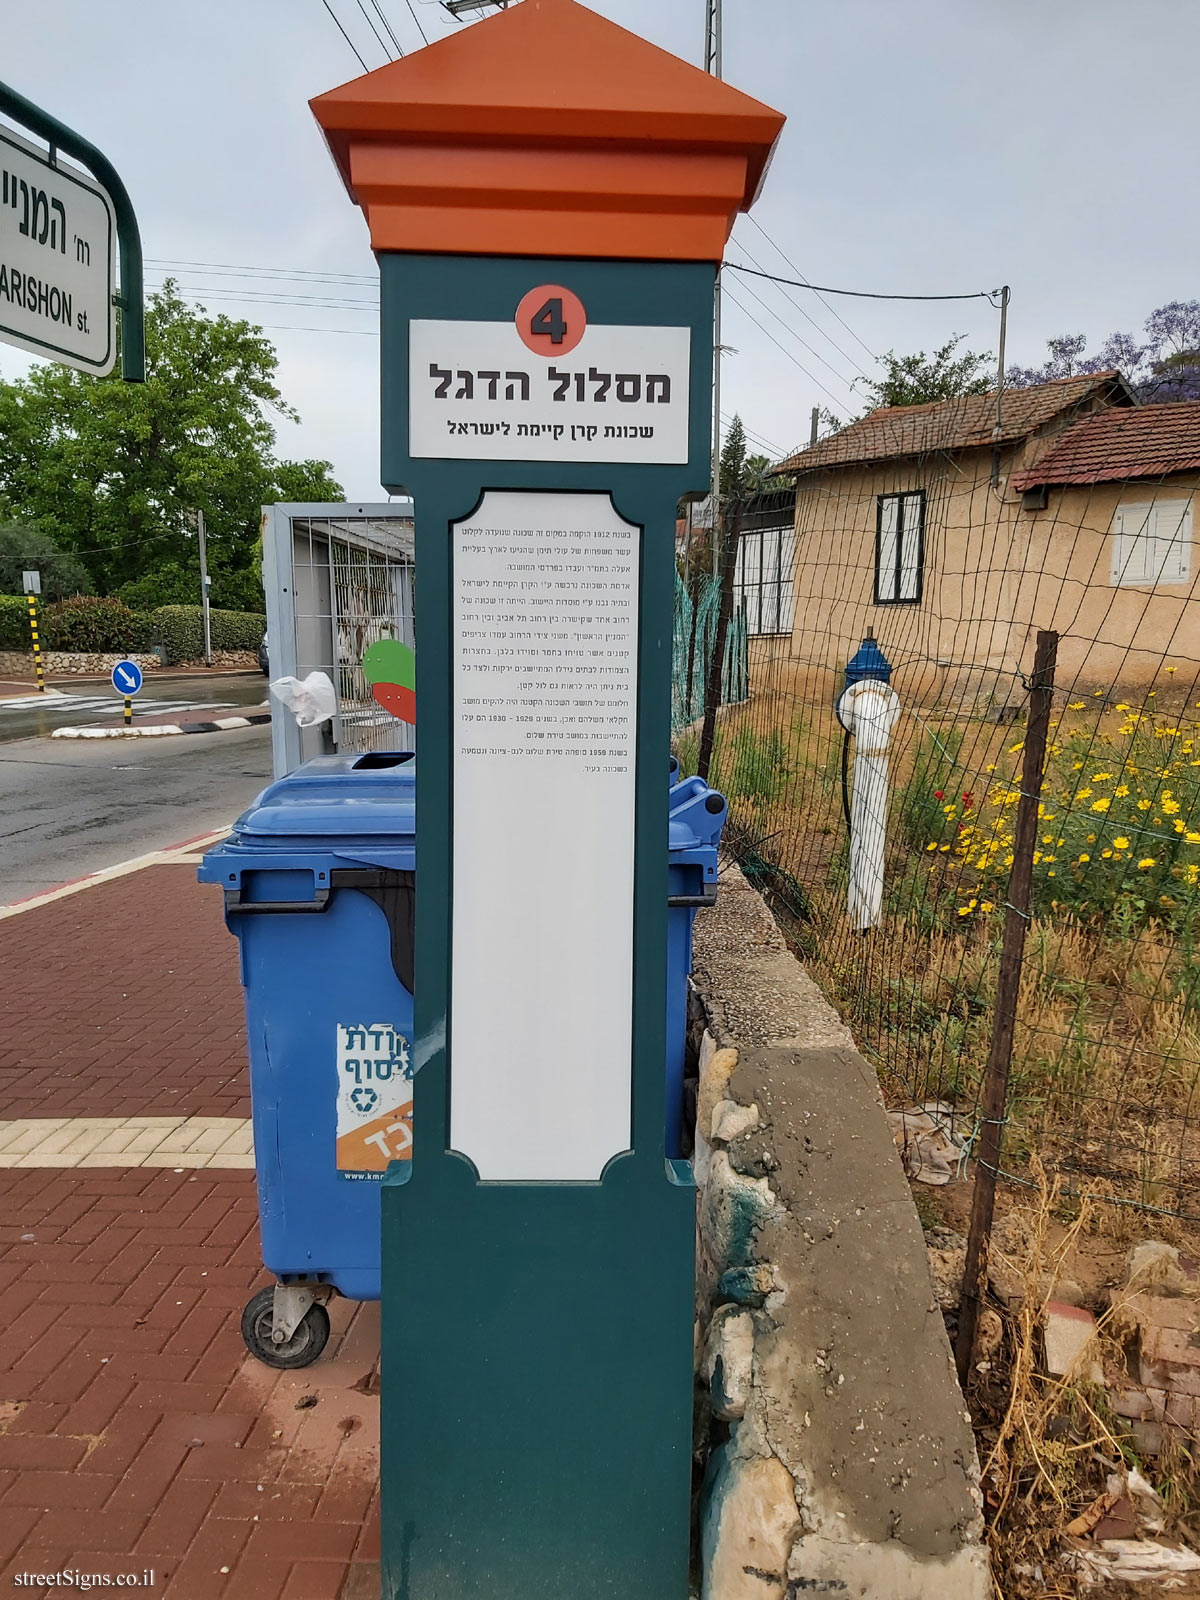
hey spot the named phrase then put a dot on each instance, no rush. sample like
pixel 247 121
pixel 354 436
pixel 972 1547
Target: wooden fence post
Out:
pixel 1008 985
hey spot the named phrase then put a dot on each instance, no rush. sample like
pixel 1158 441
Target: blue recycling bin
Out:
pixel 318 879
pixel 696 815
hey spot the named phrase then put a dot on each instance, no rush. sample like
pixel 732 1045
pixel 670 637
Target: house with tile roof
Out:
pixel 954 531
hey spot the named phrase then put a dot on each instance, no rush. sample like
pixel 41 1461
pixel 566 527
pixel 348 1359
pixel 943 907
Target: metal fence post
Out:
pixel 715 684
pixel 1008 984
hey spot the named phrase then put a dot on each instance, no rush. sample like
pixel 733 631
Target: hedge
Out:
pixel 91 622
pixel 85 622
pixel 181 630
pixel 14 622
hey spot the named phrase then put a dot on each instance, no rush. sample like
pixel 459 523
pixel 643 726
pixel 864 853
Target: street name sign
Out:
pixel 127 677
pixel 57 259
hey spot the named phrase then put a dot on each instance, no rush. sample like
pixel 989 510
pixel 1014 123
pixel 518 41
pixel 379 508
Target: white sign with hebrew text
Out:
pixel 545 731
pixel 477 392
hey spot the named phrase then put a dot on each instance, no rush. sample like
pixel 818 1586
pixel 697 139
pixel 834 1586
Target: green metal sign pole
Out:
pixel 538 1335
pixel 549 198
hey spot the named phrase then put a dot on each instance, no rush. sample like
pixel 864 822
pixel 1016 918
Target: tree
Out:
pixel 115 470
pixel 24 549
pixel 917 379
pixel 1163 365
pixel 733 459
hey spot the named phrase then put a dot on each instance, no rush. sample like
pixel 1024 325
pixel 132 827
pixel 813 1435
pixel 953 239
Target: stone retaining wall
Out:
pixel 57 663
pixel 840 1454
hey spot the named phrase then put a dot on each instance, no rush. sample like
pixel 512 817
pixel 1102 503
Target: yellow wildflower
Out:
pixel 1143 805
pixel 1101 805
pixel 1076 705
pixel 1146 861
pixel 1170 807
pixel 1084 857
pixel 932 845
pixel 1121 791
pixel 1121 843
pixel 987 905
pixel 1101 777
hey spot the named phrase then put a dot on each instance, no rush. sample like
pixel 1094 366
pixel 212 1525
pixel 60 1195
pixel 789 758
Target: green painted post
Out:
pixel 538 1336
pixel 548 197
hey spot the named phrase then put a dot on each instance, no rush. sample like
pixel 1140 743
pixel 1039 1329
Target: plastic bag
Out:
pixel 311 700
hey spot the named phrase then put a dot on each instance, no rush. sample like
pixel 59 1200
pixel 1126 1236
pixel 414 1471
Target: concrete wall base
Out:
pixel 842 1457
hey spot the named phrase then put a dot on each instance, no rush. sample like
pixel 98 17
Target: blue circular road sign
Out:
pixel 127 677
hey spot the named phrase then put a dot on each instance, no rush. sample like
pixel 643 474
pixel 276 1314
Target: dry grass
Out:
pixel 1049 1445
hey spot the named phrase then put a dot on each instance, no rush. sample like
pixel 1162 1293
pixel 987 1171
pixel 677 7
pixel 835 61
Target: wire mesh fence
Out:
pixel 954 557
pixel 697 608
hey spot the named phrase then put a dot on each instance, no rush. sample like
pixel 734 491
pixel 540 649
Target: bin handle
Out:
pixel 706 897
pixel 236 906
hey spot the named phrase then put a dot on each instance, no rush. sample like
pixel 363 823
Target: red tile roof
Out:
pixel 963 424
pixel 1146 442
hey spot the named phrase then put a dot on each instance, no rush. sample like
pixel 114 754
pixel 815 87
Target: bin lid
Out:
pixel 333 799
pixel 696 815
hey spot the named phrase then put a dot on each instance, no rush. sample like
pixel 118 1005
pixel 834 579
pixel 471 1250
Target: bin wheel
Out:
pixel 301 1350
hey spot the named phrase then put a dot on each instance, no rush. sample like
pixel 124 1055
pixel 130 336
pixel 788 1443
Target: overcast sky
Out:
pixel 932 146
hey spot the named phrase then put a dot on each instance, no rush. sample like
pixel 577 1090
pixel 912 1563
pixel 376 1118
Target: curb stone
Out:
pixel 220 725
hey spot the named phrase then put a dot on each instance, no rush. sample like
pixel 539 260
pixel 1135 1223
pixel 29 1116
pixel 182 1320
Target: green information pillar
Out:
pixel 548 197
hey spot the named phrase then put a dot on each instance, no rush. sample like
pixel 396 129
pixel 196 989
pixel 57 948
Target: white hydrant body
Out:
pixel 868 711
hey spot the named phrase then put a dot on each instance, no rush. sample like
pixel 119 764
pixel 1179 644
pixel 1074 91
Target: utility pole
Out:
pixel 712 64
pixel 200 533
pixel 814 427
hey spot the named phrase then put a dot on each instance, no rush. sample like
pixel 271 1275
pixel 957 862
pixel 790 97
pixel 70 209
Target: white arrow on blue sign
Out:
pixel 127 677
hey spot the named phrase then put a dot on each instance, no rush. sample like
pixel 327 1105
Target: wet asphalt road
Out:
pixel 72 806
pixel 94 700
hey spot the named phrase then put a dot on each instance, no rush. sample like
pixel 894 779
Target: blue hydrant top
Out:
pixel 868 661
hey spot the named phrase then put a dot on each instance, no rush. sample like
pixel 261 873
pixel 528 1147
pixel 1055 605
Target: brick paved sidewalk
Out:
pixel 135 1431
pixel 123 1000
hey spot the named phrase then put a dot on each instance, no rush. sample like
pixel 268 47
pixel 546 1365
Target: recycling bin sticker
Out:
pixel 374 1098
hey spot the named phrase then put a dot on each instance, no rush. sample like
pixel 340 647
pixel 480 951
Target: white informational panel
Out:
pixel 545 682
pixel 57 237
pixel 479 392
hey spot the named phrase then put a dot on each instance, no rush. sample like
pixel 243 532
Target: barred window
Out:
pixel 900 548
pixel 764 579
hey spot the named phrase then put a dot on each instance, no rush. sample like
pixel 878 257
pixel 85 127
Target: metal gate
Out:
pixel 337 578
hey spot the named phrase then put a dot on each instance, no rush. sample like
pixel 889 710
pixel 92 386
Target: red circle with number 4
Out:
pixel 551 320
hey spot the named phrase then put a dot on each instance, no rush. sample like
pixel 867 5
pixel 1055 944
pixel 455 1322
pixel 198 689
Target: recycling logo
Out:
pixel 363 1098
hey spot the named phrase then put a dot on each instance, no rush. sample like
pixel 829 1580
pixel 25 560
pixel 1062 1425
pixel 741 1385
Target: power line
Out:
pixel 848 383
pixel 374 29
pixel 787 260
pixel 345 35
pixel 756 438
pixel 810 376
pixel 792 301
pixel 859 294
pixel 226 268
pixel 254 297
pixel 378 9
pixel 413 14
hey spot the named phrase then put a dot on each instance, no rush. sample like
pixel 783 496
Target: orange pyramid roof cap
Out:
pixel 547 129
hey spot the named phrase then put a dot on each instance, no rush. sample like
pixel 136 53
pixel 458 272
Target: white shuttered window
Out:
pixel 764 578
pixel 1152 542
pixel 900 548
